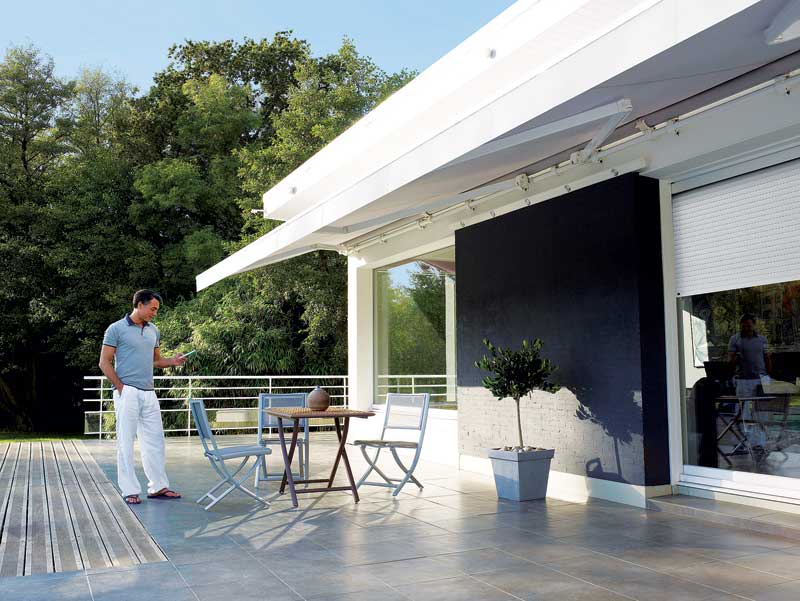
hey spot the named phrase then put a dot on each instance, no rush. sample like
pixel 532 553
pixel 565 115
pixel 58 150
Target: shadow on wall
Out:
pixel 618 421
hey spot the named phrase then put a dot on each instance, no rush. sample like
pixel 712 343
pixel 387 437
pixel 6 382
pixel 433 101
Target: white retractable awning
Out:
pixel 543 78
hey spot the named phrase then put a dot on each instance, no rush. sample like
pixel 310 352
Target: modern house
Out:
pixel 620 178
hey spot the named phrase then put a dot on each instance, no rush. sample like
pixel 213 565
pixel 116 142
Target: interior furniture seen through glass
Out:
pixel 741 379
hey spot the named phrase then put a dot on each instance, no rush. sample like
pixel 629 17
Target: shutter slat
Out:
pixel 738 233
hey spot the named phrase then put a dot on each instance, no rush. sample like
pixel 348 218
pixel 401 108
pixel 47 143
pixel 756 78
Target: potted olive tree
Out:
pixel 520 472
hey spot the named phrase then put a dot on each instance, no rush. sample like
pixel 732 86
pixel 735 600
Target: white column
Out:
pixel 450 336
pixel 674 413
pixel 359 334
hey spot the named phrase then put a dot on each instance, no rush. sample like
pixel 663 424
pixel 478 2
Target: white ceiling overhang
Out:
pixel 540 79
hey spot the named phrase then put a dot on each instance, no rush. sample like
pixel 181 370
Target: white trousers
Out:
pixel 749 388
pixel 138 413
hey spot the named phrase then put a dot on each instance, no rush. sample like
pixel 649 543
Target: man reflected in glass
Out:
pixel 749 352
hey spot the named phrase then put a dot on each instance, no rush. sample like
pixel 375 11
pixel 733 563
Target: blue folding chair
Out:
pixel 266 423
pixel 403 412
pixel 218 456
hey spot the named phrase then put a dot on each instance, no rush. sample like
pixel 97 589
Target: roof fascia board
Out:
pixel 566 81
pixel 452 85
pixel 633 39
pixel 387 136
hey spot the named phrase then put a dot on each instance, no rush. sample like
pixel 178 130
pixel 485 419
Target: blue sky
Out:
pixel 132 38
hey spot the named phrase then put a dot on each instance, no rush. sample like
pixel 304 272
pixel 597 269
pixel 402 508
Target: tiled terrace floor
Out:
pixel 452 541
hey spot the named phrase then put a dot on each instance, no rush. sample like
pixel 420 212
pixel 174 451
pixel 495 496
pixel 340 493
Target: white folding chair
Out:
pixel 403 412
pixel 218 456
pixel 266 423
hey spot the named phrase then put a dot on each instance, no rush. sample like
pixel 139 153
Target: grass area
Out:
pixel 36 436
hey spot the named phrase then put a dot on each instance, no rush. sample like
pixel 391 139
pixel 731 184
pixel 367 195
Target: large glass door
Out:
pixel 740 356
pixel 415 328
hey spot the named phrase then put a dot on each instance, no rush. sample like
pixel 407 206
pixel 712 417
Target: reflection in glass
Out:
pixel 415 328
pixel 741 379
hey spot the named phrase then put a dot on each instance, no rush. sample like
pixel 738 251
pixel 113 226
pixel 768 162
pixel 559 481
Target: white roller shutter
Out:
pixel 739 232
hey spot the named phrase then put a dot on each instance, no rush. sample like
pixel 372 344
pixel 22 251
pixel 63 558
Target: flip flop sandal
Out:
pixel 165 494
pixel 130 502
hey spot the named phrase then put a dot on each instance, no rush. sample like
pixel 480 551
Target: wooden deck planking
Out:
pixel 6 489
pixel 12 542
pixel 140 540
pixel 117 546
pixel 97 473
pixel 66 554
pixel 4 447
pixel 90 542
pixel 38 552
pixel 59 512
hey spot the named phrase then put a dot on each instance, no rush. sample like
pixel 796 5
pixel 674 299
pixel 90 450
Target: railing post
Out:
pixel 102 398
pixel 413 385
pixel 189 410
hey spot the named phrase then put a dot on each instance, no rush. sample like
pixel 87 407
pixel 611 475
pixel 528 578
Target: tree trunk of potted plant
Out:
pixel 520 473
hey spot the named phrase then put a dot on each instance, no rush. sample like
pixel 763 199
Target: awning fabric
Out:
pixel 542 78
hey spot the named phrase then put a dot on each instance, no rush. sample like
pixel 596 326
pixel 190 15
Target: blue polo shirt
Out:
pixel 751 353
pixel 133 359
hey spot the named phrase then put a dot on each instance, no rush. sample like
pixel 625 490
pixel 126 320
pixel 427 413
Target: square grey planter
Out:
pixel 521 476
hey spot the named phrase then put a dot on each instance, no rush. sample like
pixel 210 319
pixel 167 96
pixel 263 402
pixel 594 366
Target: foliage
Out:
pixel 427 292
pixel 414 322
pixel 33 120
pixel 104 191
pixel 516 373
pixel 330 94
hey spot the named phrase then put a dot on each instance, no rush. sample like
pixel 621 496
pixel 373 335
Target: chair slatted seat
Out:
pixel 218 456
pixel 403 412
pixel 400 444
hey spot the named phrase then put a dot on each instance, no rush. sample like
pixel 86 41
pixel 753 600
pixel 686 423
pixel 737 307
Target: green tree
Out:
pixel 101 110
pixel 34 123
pixel 427 291
pixel 33 119
pixel 330 94
pixel 103 191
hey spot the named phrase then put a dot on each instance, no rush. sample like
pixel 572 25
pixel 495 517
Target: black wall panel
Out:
pixel 582 272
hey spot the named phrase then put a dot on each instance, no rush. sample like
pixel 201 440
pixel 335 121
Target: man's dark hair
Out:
pixel 145 296
pixel 747 317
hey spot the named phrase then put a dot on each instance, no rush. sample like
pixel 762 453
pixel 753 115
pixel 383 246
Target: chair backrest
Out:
pixel 406 412
pixel 267 400
pixel 200 417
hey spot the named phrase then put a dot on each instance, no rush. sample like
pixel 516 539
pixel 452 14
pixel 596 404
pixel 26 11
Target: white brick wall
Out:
pixel 550 420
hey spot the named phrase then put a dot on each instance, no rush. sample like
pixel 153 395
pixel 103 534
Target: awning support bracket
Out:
pixel 589 153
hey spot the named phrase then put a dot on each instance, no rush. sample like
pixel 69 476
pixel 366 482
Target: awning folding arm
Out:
pixel 615 112
pixel 785 27
pixel 624 108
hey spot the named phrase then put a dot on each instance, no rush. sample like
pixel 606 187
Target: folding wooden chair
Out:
pixel 266 423
pixel 218 456
pixel 403 412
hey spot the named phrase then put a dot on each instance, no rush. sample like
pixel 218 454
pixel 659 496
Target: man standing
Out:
pixel 133 344
pixel 749 352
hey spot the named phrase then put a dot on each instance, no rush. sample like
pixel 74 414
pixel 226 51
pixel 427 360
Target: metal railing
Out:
pixel 442 388
pixel 235 397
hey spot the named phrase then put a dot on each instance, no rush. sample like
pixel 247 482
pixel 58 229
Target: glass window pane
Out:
pixel 741 379
pixel 415 328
